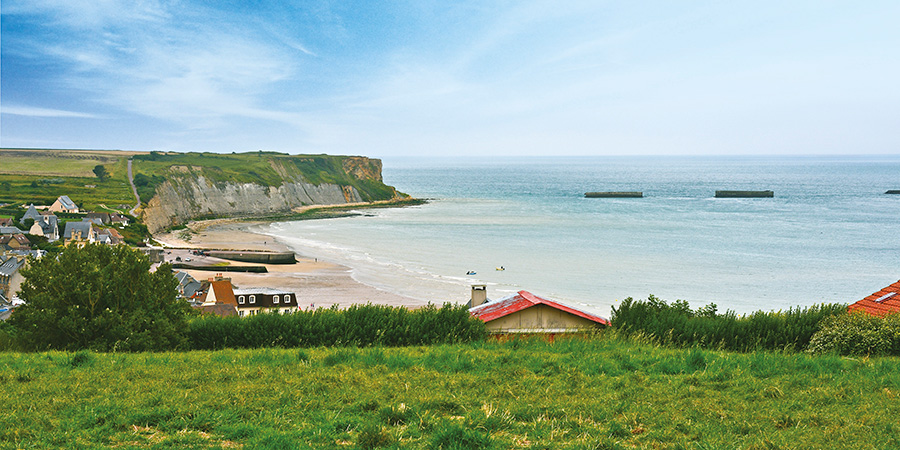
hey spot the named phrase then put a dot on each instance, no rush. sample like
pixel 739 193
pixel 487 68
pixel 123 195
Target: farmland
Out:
pixel 40 176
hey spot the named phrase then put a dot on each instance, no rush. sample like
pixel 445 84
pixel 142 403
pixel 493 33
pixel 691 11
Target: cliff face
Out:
pixel 189 194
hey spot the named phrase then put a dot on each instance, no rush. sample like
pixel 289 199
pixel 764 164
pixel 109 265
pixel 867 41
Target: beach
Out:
pixel 315 283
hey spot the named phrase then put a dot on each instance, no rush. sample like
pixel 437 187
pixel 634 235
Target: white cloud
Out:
pixel 31 111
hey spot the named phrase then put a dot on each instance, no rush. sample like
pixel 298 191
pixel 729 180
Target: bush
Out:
pixel 858 334
pixel 102 298
pixel 678 325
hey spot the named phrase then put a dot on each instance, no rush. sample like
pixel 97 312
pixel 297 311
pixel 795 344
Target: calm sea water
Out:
pixel 829 235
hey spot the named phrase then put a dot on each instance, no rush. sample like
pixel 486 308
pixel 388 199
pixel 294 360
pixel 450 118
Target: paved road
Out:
pixel 133 189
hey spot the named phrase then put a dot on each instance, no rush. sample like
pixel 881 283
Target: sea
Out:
pixel 829 234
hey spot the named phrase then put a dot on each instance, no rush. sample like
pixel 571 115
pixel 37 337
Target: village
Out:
pixel 218 295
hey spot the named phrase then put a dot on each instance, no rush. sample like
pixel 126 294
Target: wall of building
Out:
pixel 539 317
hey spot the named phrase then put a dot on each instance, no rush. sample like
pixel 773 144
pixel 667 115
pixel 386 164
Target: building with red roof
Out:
pixel 885 301
pixel 525 312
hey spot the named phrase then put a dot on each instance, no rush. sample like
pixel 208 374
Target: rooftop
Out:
pixel 880 303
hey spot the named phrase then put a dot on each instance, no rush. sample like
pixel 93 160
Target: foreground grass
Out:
pixel 600 393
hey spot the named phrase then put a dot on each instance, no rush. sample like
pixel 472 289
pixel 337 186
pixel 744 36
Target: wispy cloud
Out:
pixel 31 111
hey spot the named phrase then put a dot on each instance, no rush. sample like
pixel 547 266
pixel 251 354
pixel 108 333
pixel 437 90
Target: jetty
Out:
pixel 744 194
pixel 254 256
pixel 613 194
pixel 893 191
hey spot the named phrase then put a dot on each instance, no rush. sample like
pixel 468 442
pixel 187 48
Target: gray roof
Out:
pixel 83 227
pixel 67 202
pixel 11 230
pixel 10 267
pixel 31 213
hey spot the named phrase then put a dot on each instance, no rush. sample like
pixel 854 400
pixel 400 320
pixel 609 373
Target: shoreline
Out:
pixel 315 283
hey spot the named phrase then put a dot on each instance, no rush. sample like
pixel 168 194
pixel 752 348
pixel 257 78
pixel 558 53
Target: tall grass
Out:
pixel 358 325
pixel 676 324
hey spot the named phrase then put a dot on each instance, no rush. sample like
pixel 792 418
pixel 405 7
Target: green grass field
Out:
pixel 41 176
pixel 597 393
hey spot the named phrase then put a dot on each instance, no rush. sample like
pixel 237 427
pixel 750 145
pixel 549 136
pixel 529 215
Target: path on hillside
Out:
pixel 133 189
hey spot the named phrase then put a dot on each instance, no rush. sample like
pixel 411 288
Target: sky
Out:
pixel 462 78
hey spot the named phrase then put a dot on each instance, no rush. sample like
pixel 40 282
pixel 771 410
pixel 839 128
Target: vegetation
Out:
pixel 40 176
pixel 359 325
pixel 263 168
pixel 858 334
pixel 100 172
pixel 678 325
pixel 99 297
pixel 604 392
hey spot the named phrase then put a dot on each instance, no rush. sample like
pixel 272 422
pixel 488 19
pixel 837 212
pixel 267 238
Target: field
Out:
pixel 603 392
pixel 40 176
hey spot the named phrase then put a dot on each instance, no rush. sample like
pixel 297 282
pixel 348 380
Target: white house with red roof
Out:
pixel 525 312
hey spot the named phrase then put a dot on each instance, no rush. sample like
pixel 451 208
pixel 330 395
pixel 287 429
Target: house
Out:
pixel 100 218
pixel 118 219
pixel 30 213
pixel 254 301
pixel 218 299
pixel 64 204
pixel 79 232
pixel 14 242
pixel 10 230
pixel 45 223
pixel 885 301
pixel 109 236
pixel 525 312
pixel 188 287
pixel 10 278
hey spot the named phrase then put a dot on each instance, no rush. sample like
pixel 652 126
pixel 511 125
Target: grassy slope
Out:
pixel 580 394
pixel 60 172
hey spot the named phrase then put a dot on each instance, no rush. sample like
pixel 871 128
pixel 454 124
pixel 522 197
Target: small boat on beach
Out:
pixel 500 268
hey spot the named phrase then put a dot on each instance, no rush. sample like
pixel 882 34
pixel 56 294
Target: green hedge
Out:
pixel 676 324
pixel 359 325
pixel 858 334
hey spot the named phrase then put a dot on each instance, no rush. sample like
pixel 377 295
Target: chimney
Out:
pixel 479 295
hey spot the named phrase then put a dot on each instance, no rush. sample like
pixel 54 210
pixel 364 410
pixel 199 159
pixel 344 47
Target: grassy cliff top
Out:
pixel 40 176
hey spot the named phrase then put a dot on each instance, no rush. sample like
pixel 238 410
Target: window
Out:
pixel 885 297
pixel 252 299
pixel 241 299
pixel 287 298
pixel 275 299
pixel 240 314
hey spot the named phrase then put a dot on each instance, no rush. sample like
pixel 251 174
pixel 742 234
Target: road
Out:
pixel 133 189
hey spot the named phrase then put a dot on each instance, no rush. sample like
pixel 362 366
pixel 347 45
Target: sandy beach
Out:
pixel 315 283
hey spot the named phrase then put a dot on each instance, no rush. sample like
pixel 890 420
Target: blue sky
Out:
pixel 452 78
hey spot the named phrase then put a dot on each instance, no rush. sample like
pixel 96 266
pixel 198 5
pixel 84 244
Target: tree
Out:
pixel 101 172
pixel 6 186
pixel 102 298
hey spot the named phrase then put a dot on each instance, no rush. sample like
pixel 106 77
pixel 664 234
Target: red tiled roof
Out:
pixel 880 303
pixel 524 300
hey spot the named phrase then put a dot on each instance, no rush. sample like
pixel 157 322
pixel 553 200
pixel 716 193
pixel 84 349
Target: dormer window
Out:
pixel 287 298
pixel 241 299
pixel 252 299
pixel 275 299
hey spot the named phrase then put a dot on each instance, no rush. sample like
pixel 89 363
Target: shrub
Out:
pixel 676 324
pixel 102 298
pixel 858 334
